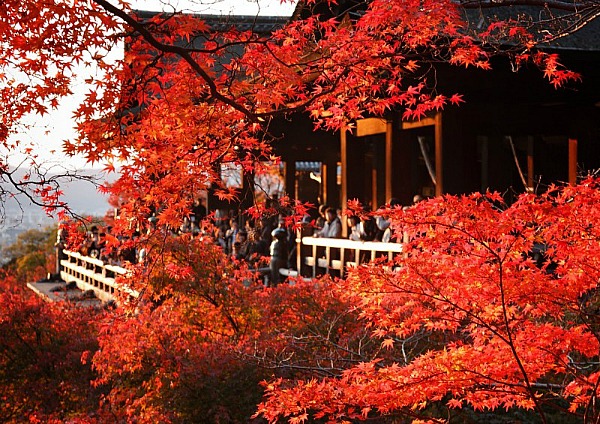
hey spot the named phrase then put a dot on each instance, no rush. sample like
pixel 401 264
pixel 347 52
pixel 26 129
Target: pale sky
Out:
pixel 49 131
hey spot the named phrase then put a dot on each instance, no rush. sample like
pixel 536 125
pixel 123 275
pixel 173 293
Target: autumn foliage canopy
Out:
pixel 490 307
pixel 184 97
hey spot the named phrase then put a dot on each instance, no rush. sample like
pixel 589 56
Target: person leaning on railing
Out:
pixel 332 227
pixel 383 223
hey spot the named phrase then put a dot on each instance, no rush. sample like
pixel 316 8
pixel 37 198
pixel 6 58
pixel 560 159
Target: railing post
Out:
pixel 91 273
pixel 316 260
pixel 333 246
pixel 299 251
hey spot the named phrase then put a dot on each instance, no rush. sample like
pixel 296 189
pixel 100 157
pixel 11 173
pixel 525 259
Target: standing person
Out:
pixel 383 223
pixel 354 225
pixel 267 227
pixel 231 234
pixel 321 219
pixel 241 246
pixel 257 248
pixel 333 225
pixel 220 238
pixel 279 254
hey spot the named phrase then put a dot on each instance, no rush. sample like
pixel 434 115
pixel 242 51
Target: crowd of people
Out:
pixel 266 244
pixel 101 243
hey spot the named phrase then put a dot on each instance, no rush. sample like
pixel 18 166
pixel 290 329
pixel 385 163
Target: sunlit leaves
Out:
pixel 504 331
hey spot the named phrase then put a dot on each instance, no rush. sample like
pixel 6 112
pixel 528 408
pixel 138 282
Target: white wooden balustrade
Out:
pixel 93 274
pixel 326 255
pixel 315 256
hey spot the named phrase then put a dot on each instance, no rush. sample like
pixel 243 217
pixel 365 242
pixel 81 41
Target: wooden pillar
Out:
pixel 439 175
pixel 333 197
pixel 324 183
pixel 485 162
pixel 572 161
pixel 374 189
pixel 344 187
pixel 530 169
pixel 247 192
pixel 388 161
pixel 290 178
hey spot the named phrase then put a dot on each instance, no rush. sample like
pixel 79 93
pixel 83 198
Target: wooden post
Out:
pixel 485 162
pixel 290 179
pixel 572 161
pixel 439 176
pixel 530 169
pixel 344 187
pixel 324 183
pixel 374 199
pixel 388 161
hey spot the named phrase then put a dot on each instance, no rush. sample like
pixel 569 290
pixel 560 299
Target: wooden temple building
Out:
pixel 514 133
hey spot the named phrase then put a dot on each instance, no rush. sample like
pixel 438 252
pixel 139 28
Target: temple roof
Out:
pixel 221 23
pixel 586 21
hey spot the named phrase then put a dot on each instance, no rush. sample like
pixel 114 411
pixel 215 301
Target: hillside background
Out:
pixel 20 215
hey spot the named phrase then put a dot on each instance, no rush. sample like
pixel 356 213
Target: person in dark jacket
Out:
pixel 279 254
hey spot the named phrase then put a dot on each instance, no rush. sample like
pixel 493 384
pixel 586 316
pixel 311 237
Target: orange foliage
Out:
pixel 42 378
pixel 464 317
pixel 186 99
pixel 506 297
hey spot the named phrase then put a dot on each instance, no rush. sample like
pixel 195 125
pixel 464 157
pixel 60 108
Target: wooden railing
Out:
pixel 93 274
pixel 328 255
pixel 315 256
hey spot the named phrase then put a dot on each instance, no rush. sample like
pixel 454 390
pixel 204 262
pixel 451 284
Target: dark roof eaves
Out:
pixel 226 19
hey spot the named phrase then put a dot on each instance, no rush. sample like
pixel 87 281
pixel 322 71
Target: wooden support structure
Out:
pixel 439 173
pixel 388 161
pixel 344 185
pixel 330 255
pixel 371 126
pixel 425 122
pixel 572 161
pixel 436 122
pixel 325 184
pixel 530 166
pixel 91 274
pixel 374 126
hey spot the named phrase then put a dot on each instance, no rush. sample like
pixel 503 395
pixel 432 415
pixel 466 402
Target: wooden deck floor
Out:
pixel 57 291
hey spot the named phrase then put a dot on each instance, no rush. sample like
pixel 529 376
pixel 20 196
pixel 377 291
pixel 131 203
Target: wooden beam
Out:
pixel 439 173
pixel 324 183
pixel 344 185
pixel 388 161
pixel 290 178
pixel 572 161
pixel 425 122
pixel 483 142
pixel 530 169
pixel 374 199
pixel 370 126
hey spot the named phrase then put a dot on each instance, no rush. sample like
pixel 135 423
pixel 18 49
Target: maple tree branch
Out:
pixel 572 6
pixel 508 338
pixel 509 333
pixel 591 404
pixel 576 26
pixel 183 52
pixel 29 187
